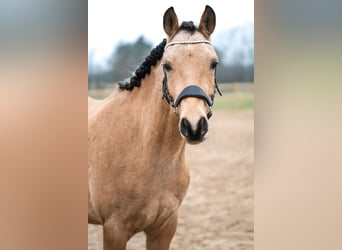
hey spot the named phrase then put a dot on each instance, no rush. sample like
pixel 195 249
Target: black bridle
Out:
pixel 189 91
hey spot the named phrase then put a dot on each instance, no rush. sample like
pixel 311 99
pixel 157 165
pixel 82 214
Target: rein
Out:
pixel 189 91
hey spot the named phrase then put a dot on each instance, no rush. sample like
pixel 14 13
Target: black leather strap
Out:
pixel 193 91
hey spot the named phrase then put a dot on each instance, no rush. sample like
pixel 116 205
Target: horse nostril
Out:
pixel 194 135
pixel 185 127
pixel 202 126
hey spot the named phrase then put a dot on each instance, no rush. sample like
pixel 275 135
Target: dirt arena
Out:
pixel 217 212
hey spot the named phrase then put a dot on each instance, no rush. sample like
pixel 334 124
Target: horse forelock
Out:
pixel 188 26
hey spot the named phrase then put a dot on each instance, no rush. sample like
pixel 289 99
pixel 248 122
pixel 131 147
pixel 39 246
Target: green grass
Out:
pixel 234 101
pixel 235 96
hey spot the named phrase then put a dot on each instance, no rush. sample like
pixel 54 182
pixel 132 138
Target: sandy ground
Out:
pixel 217 212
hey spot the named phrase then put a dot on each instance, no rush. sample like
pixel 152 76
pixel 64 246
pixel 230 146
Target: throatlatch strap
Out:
pixel 193 91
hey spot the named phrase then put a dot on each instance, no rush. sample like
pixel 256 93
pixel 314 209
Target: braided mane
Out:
pixel 151 60
pixel 144 69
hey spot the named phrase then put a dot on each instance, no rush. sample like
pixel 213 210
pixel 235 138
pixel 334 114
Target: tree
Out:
pixel 127 56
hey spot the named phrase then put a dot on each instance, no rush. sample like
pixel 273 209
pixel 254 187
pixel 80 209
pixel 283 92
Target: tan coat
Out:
pixel 137 169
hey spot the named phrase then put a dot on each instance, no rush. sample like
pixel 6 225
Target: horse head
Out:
pixel 189 65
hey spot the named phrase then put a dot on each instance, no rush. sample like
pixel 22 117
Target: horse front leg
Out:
pixel 160 238
pixel 114 236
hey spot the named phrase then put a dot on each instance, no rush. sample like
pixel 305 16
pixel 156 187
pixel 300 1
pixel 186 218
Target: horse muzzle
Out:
pixel 194 135
pixel 192 127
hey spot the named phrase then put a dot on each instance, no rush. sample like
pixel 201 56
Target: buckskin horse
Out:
pixel 137 171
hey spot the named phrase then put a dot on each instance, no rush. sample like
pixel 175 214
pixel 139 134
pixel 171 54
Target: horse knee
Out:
pixel 160 238
pixel 114 236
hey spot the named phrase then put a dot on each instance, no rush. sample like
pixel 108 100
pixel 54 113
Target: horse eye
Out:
pixel 213 65
pixel 167 66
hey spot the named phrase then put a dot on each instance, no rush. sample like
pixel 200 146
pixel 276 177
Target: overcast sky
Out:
pixel 111 21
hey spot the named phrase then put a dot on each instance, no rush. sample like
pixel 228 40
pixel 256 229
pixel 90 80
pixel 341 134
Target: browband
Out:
pixel 187 42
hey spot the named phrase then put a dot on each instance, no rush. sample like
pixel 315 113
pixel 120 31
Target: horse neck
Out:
pixel 160 123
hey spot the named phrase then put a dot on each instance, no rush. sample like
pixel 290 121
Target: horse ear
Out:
pixel 170 22
pixel 208 22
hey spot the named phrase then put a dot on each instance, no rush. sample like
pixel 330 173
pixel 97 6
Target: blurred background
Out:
pixel 44 87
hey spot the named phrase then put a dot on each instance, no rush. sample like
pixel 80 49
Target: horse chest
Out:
pixel 154 211
pixel 148 207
